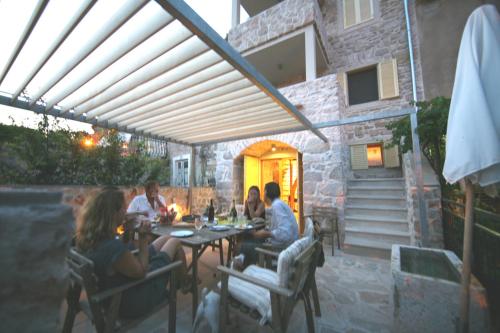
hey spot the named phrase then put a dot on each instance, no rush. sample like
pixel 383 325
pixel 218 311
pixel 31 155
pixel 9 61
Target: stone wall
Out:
pixel 432 197
pixel 383 37
pixel 323 163
pixel 279 20
pixel 75 196
pixel 205 162
pixel 35 234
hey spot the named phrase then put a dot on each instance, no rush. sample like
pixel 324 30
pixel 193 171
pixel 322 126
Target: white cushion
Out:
pixel 255 297
pixel 286 258
pixel 309 230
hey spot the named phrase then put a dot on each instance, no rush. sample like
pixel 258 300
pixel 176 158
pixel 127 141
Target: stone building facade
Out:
pixel 348 42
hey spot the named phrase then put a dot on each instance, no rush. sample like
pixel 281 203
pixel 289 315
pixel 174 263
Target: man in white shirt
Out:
pixel 283 231
pixel 148 203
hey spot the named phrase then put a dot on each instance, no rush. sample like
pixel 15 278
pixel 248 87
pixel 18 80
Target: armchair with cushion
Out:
pixel 101 306
pixel 268 295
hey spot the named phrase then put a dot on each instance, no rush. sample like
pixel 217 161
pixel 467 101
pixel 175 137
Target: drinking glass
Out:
pixel 198 224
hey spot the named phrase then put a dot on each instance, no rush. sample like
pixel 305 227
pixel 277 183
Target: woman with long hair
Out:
pixel 254 207
pixel 114 264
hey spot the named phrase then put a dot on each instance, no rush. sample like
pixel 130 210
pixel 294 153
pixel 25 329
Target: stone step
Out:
pixel 376 182
pixel 376 191
pixel 387 235
pixel 384 200
pixel 364 222
pixel 367 248
pixel 376 210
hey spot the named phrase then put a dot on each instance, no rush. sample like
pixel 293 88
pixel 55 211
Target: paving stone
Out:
pixel 373 297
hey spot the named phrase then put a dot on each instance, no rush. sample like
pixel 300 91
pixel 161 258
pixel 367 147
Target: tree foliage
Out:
pixel 58 157
pixel 432 119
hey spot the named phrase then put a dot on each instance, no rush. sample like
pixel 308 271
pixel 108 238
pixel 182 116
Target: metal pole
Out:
pixel 191 179
pixel 467 257
pixel 417 156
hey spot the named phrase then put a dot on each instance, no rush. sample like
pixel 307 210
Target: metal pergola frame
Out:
pixel 179 11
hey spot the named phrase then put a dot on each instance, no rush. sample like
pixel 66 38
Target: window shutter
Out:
pixel 391 157
pixel 359 157
pixel 342 77
pixel 365 10
pixel 388 86
pixel 349 13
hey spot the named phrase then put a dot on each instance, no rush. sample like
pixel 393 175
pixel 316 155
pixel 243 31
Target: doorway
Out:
pixel 273 161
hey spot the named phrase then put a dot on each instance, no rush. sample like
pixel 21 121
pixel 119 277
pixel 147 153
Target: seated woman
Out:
pixel 114 264
pixel 254 207
pixel 283 230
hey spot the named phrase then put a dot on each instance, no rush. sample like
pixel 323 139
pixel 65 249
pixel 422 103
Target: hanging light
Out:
pixel 273 147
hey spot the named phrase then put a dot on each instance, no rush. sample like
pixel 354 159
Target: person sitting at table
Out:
pixel 283 230
pixel 97 239
pixel 148 203
pixel 254 207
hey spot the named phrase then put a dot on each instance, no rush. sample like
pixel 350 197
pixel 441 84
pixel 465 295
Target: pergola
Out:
pixel 152 68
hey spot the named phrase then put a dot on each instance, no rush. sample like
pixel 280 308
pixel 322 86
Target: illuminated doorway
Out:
pixel 273 161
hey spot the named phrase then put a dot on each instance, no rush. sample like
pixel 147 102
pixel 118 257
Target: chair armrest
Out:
pixel 268 253
pixel 274 288
pixel 151 275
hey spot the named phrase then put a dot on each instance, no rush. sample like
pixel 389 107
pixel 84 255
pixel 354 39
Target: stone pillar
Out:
pixel 310 52
pixel 35 234
pixel 235 13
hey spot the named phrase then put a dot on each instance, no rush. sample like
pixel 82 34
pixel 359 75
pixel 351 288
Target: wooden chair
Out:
pixel 101 306
pixel 268 258
pixel 327 217
pixel 283 300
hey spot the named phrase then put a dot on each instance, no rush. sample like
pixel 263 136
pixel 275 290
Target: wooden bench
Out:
pixel 101 306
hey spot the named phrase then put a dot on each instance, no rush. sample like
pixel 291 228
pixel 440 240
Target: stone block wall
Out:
pixel 35 234
pixel 75 196
pixel 285 17
pixel 432 198
pixel 323 163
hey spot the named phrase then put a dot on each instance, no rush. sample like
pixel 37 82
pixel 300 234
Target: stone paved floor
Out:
pixel 354 296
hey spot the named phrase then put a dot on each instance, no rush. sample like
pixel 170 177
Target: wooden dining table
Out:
pixel 199 242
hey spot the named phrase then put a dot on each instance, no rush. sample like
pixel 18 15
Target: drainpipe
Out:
pixel 417 157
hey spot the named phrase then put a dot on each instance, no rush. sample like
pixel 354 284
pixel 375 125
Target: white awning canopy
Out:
pixel 153 68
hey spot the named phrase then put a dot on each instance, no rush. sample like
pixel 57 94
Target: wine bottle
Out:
pixel 211 211
pixel 233 213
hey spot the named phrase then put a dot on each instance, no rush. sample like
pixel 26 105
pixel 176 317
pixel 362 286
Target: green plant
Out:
pixel 54 155
pixel 432 119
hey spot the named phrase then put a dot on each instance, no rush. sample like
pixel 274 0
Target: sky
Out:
pixel 217 13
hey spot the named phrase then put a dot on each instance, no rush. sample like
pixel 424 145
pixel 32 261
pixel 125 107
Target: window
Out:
pixel 377 82
pixel 374 155
pixel 362 86
pixel 357 11
pixel 364 156
pixel 181 172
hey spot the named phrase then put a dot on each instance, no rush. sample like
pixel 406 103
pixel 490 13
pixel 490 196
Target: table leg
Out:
pixel 229 250
pixel 221 252
pixel 194 282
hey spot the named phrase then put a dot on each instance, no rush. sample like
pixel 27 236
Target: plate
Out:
pixel 181 233
pixel 244 227
pixel 219 228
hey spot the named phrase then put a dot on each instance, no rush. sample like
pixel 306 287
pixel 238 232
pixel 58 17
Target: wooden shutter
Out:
pixel 359 157
pixel 365 10
pixel 388 86
pixel 342 77
pixel 391 157
pixel 349 13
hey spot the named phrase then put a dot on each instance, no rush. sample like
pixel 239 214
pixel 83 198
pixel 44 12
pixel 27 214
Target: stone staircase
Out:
pixel 375 216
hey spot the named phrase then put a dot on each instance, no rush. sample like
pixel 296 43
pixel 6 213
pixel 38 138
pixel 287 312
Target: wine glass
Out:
pixel 198 224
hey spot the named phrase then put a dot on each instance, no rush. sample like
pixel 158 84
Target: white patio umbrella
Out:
pixel 473 135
